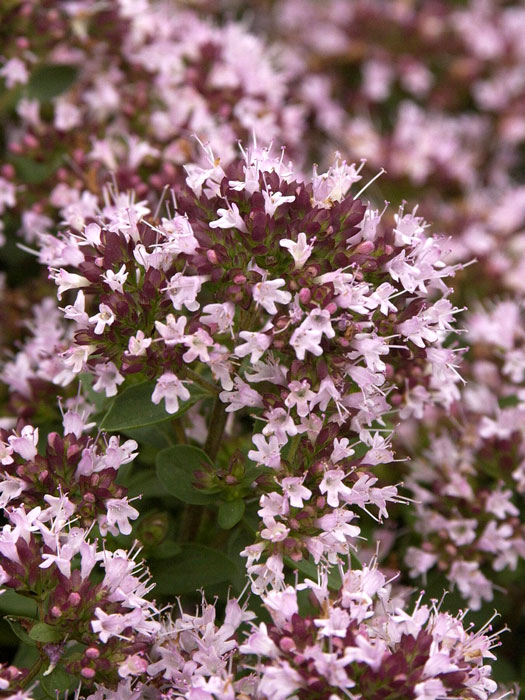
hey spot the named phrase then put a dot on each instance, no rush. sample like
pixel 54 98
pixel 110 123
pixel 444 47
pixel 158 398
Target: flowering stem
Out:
pixel 201 381
pixel 216 428
pixel 33 672
pixel 194 516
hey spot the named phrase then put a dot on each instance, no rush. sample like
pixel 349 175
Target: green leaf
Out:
pixel 33 172
pixel 47 82
pixel 164 550
pixel 12 603
pixel 58 680
pixel 195 567
pixel 145 484
pixel 230 513
pixel 151 435
pixel 46 634
pixel 175 468
pixel 133 408
pixel 19 630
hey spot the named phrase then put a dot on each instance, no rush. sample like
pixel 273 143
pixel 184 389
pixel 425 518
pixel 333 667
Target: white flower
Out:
pixel 116 280
pixel 119 513
pixel 229 218
pixel 332 485
pixel 171 389
pixel 300 250
pixel 255 346
pixel 105 317
pixel 138 344
pixel 267 294
pixel 109 378
pixel 269 453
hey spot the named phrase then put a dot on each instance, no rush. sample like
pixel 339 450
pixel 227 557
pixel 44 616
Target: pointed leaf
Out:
pixel 47 82
pixel 230 513
pixel 133 408
pixel 19 630
pixel 47 634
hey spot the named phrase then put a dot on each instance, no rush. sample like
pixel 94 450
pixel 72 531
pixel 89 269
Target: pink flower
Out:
pixel 171 389
pixel 268 453
pixel 267 294
pixel 295 491
pixel 109 378
pixel 332 485
pixel 119 513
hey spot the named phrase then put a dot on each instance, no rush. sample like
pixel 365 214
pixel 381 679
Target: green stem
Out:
pixel 178 429
pixel 212 388
pixel 216 428
pixel 33 672
pixel 189 523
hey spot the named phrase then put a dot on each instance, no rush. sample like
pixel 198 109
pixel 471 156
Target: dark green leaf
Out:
pixel 175 468
pixel 33 172
pixel 133 408
pixel 47 634
pixel 230 513
pixel 58 680
pixel 195 567
pixel 164 550
pixel 146 484
pixel 47 82
pixel 19 630
pixel 12 603
pixel 152 435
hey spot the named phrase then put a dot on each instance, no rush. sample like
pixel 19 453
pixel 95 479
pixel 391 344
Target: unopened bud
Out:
pixel 88 673
pixel 92 653
pixel 365 247
pixel 287 644
pixel 212 256
pixel 74 599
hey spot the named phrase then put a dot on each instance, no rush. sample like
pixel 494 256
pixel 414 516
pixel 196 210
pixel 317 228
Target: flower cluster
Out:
pixel 125 88
pixel 305 308
pixel 434 92
pixel 262 375
pixel 362 642
pixel 468 482
pixel 359 640
pixel 49 553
